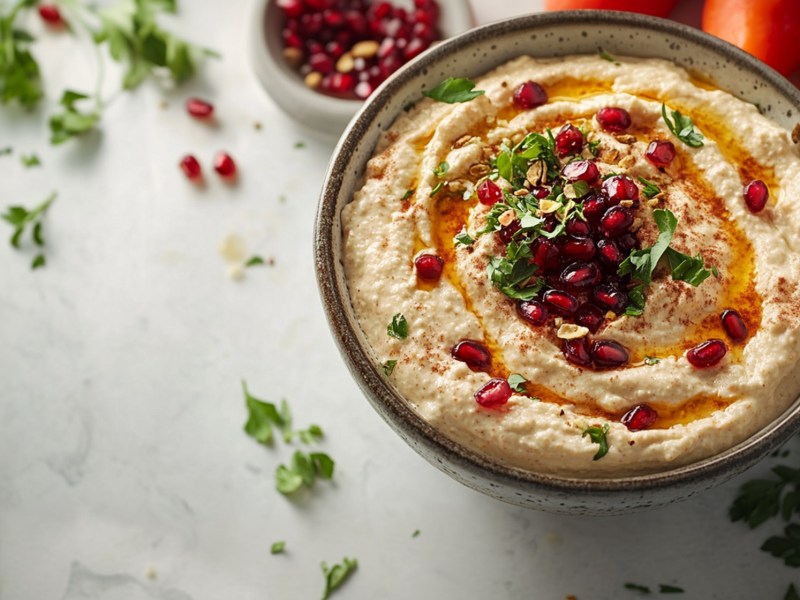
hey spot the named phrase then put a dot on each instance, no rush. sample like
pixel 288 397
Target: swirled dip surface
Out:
pixel 411 204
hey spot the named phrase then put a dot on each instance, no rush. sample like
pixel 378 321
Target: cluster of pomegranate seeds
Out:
pixel 50 14
pixel 199 109
pixel 347 48
pixel 429 267
pixel 639 417
pixel 756 195
pixel 707 354
pixel 191 168
pixel 494 393
pixel 224 165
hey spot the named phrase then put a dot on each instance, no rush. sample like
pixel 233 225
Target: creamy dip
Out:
pixel 542 395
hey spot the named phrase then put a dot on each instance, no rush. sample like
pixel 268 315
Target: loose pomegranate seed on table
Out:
pixel 529 95
pixel 347 48
pixel 494 393
pixel 429 267
pixel 756 195
pixel 474 354
pixel 225 165
pixel 640 417
pixel 191 167
pixel 707 354
pixel 198 108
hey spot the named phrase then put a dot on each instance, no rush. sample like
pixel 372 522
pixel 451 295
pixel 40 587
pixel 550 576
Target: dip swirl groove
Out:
pixel 411 204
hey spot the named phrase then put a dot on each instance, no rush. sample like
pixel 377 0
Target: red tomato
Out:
pixel 767 29
pixel 657 8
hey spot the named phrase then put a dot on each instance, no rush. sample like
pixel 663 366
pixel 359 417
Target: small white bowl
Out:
pixel 325 114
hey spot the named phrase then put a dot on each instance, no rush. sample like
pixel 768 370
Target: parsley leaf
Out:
pixel 463 239
pixel 761 499
pixel 436 188
pixel 512 274
pixel 688 269
pixel 416 533
pixel 30 160
pixel 651 360
pixel 598 435
pixel 398 328
pixel 791 593
pixel 336 575
pixel 388 367
pixel 606 56
pixel 303 471
pixel 650 190
pixel 440 170
pixel 20 218
pixel 71 122
pixel 636 302
pixel 517 382
pixel 20 78
pixel 682 127
pixel 663 588
pixel 408 194
pixel 454 90
pixel 261 418
pixel 253 261
pixel 638 588
pixel 5 151
pixel 277 547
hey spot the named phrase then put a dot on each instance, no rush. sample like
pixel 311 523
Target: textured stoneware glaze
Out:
pixel 326 115
pixel 474 53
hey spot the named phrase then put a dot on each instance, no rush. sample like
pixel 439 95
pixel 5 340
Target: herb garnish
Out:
pixel 682 127
pixel 512 164
pixel 72 122
pixel 436 188
pixel 416 533
pixel 20 218
pixel 253 261
pixel 663 588
pixel 512 274
pixel 263 415
pixel 440 170
pixel 517 382
pixel 636 302
pixel 30 160
pixel 303 471
pixel 463 239
pixel 6 151
pixel 642 263
pixel 638 588
pixel 388 367
pixel 20 79
pixel 277 547
pixel 454 90
pixel 791 593
pixel 606 56
pixel 336 575
pixel 598 435
pixel 407 195
pixel 398 328
pixel 651 360
pixel 300 144
pixel 650 190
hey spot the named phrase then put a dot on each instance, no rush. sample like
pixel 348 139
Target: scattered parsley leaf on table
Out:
pixel 20 218
pixel 454 90
pixel 336 575
pixel 262 416
pixel 637 588
pixel 598 435
pixel 416 533
pixel 30 160
pixel 253 261
pixel 277 547
pixel 71 122
pixel 20 78
pixel 791 593
pixel 303 471
pixel 664 588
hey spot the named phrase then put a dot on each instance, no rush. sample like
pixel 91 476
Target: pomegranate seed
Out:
pixel 583 170
pixel 615 221
pixel 338 83
pixel 609 297
pixel 508 232
pixel 561 303
pixel 613 118
pixel 532 311
pixel 578 249
pixel 540 192
pixel 489 193
pixel 589 316
pixel 620 187
pixel 224 165
pixel 200 109
pixel 577 351
pixel 608 354
pixel 569 140
pixel 334 49
pixel 474 354
pixel 291 8
pixel 50 14
pixel 660 152
pixel 321 63
pixel 529 95
pixel 191 168
pixel 545 253
pixel 639 417
pixel 429 267
pixel 578 228
pixel 292 39
pixel 756 194
pixel 610 254
pixel 594 207
pixel 734 325
pixel 580 276
pixel 494 393
pixel 363 89
pixel 379 10
pixel 333 18
pixel 414 48
pixel 707 354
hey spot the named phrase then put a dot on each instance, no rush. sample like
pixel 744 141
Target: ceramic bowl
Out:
pixel 325 114
pixel 474 53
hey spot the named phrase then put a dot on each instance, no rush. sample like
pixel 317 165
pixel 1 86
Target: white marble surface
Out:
pixel 124 471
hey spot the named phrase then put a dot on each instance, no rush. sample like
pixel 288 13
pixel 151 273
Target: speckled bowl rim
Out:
pixel 395 410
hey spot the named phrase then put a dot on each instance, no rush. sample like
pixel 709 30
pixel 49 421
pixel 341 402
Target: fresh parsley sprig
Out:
pixel 263 416
pixel 336 575
pixel 513 273
pixel 20 77
pixel 454 90
pixel 303 471
pixel 71 122
pixel 598 435
pixel 512 164
pixel 650 189
pixel 20 218
pixel 398 328
pixel 682 127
